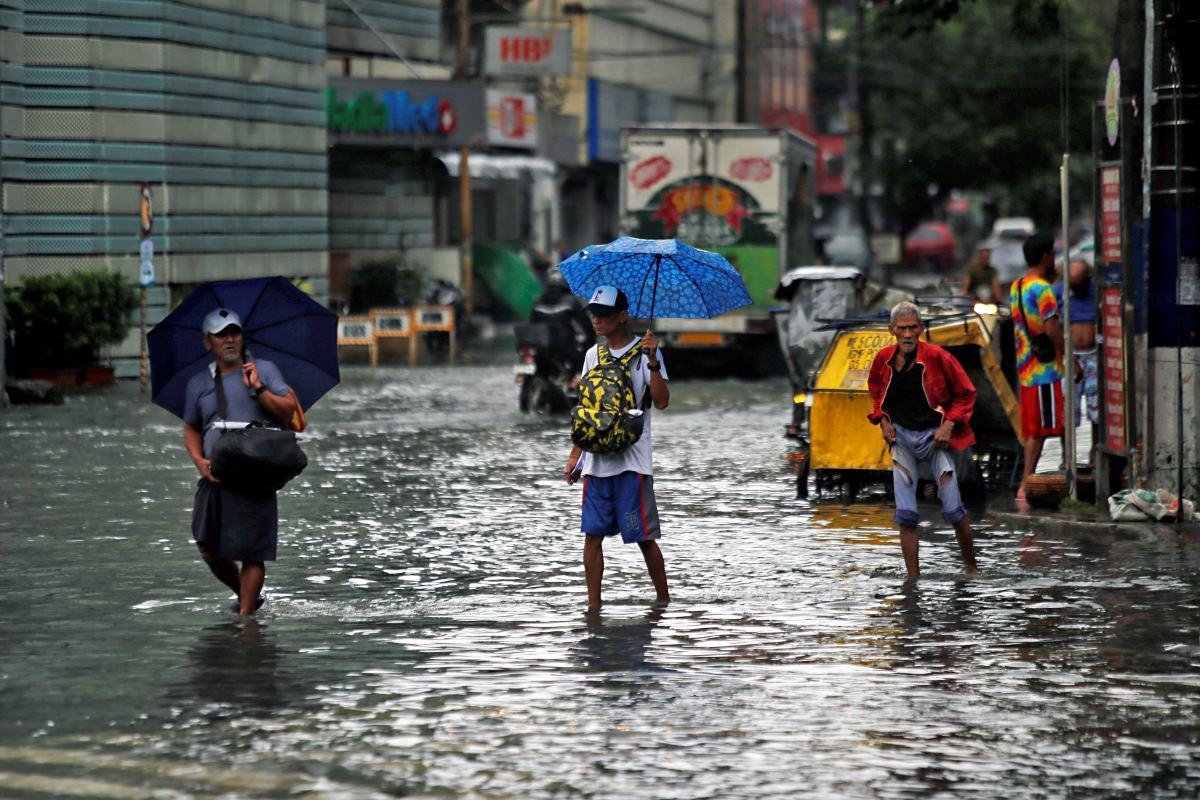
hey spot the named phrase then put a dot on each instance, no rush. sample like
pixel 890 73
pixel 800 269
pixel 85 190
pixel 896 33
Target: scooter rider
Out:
pixel 563 312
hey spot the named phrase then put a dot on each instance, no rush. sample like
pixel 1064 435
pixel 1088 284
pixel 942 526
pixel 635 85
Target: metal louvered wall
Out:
pixel 217 103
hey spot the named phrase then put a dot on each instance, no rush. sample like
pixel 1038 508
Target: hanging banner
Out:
pixel 1113 352
pixel 1110 215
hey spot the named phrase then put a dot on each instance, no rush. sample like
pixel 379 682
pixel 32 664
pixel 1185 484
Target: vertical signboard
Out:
pixel 512 119
pixel 1113 352
pixel 1110 214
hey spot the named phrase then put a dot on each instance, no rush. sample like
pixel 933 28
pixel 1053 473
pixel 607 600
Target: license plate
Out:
pixel 524 369
pixel 701 339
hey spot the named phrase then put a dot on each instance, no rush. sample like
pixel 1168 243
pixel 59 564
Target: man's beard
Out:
pixel 228 358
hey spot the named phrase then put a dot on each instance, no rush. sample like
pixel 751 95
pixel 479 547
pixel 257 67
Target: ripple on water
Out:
pixel 425 633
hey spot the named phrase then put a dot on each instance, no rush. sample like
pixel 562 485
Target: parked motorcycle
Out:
pixel 545 369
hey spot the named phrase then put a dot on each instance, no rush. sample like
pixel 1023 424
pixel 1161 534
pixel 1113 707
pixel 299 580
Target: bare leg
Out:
pixel 1033 453
pixel 966 543
pixel 657 568
pixel 254 573
pixel 593 568
pixel 909 546
pixel 225 570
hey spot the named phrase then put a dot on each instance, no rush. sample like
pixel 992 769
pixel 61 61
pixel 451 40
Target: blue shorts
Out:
pixel 621 504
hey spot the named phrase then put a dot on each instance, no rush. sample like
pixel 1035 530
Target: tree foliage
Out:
pixel 968 95
pixel 64 320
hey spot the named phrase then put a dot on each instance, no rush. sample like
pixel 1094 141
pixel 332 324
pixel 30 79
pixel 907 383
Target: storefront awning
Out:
pixel 485 165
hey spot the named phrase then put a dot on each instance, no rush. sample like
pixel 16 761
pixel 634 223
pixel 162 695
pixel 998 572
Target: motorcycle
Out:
pixel 549 384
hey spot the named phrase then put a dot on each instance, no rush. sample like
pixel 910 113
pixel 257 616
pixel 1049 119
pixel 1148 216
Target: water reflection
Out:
pixel 618 645
pixel 236 668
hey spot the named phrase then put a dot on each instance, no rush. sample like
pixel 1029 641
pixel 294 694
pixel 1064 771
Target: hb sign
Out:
pixel 517 51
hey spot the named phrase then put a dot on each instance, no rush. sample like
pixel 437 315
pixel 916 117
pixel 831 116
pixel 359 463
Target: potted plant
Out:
pixel 59 324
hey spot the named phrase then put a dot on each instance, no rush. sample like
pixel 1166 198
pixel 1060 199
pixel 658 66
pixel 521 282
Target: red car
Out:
pixel 931 243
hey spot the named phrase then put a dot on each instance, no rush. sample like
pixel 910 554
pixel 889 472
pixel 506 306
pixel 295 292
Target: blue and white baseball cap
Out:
pixel 219 319
pixel 607 300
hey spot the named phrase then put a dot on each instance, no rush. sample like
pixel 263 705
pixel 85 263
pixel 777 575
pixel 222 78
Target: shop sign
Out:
pixel 512 119
pixel 517 51
pixel 1110 214
pixel 403 112
pixel 1113 352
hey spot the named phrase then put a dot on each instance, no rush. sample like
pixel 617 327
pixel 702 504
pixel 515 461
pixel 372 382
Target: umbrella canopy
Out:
pixel 661 277
pixel 282 324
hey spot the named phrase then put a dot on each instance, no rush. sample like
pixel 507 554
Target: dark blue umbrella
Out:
pixel 661 277
pixel 282 324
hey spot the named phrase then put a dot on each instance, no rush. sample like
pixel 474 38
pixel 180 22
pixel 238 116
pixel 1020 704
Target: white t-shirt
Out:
pixel 638 457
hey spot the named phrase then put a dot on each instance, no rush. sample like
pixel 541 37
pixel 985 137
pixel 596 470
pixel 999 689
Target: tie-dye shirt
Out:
pixel 1041 306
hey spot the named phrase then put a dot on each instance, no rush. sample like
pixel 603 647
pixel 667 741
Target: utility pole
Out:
pixel 464 167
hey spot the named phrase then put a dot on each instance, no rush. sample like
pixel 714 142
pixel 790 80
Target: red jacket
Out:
pixel 947 389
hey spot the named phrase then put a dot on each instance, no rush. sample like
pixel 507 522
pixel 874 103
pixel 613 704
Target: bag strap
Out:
pixel 222 406
pixel 1021 302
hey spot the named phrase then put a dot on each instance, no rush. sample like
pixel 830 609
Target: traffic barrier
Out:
pixel 359 331
pixel 396 324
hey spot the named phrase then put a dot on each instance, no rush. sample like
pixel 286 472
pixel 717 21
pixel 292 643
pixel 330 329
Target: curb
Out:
pixel 1049 523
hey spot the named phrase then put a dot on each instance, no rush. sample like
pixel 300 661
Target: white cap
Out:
pixel 608 297
pixel 219 319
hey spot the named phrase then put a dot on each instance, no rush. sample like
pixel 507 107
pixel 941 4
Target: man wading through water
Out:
pixel 618 489
pixel 923 402
pixel 230 525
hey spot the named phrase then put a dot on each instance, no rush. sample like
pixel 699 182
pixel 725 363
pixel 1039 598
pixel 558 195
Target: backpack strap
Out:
pixel 603 354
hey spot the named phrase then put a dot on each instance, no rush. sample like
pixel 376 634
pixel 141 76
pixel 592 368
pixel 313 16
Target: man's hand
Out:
pixel 572 460
pixel 204 465
pixel 888 430
pixel 250 376
pixel 942 437
pixel 650 345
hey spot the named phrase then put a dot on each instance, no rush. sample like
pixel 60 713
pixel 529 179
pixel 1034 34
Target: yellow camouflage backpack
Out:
pixel 607 418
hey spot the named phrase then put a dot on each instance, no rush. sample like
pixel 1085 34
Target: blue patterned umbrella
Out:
pixel 661 277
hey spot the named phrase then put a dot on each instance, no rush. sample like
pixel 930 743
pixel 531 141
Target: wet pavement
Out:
pixel 425 634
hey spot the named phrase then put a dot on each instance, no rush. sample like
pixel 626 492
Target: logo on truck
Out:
pixel 703 211
pixel 752 169
pixel 650 172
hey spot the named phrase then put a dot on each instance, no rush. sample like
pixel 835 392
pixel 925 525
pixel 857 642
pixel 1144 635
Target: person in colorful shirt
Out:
pixel 1035 313
pixel 922 402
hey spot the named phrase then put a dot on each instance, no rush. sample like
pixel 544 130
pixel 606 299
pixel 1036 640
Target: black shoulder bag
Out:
pixel 257 458
pixel 1042 345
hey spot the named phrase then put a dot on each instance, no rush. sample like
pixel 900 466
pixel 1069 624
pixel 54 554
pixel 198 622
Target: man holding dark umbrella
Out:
pixel 230 525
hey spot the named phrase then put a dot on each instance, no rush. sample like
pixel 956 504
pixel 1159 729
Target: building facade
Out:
pixel 216 104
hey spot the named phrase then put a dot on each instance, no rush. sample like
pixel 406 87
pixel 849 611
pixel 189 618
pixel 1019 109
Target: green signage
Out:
pixel 364 114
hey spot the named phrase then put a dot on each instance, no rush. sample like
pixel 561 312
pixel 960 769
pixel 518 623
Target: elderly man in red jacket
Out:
pixel 923 402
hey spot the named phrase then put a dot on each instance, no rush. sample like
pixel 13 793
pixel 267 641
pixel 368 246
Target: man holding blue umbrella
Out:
pixel 618 488
pixel 645 279
pixel 230 525
pixel 200 361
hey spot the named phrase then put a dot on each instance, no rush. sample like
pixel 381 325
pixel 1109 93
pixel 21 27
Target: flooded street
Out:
pixel 425 631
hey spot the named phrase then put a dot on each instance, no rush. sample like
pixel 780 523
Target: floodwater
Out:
pixel 425 632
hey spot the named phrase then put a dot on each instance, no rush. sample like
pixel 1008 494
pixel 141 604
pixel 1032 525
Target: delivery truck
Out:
pixel 743 191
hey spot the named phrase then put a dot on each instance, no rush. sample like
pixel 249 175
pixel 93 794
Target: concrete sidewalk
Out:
pixel 1091 523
